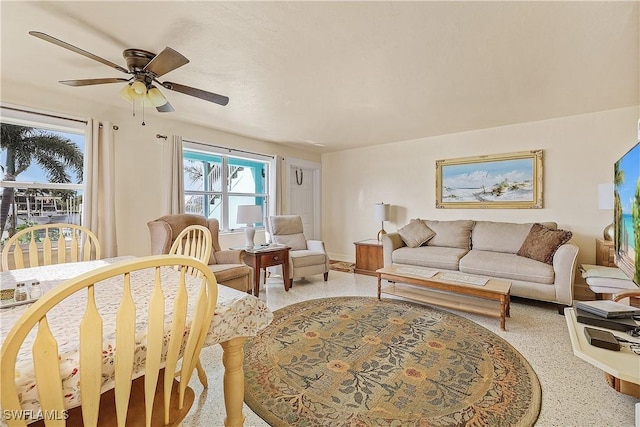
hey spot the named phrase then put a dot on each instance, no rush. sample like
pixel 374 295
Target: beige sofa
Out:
pixel 490 249
pixel 227 265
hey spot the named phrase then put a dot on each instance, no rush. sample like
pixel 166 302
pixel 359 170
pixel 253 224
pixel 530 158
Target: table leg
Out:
pixel 379 285
pixel 285 271
pixel 256 276
pixel 232 358
pixel 503 311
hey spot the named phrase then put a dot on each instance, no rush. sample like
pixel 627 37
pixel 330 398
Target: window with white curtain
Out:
pixel 217 181
pixel 42 160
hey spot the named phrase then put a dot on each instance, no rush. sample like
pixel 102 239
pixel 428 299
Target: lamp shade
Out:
pixel 249 214
pixel 382 212
pixel 605 196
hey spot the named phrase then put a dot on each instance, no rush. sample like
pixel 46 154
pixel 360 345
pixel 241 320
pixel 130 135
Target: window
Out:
pixel 41 172
pixel 216 184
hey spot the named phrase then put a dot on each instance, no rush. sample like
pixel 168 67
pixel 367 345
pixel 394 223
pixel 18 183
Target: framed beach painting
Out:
pixel 507 181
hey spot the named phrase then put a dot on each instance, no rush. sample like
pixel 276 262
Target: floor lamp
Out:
pixel 382 215
pixel 249 215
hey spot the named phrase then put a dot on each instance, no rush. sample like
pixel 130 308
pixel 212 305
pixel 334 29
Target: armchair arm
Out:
pixel 390 242
pixel 160 234
pixel 564 268
pixel 229 256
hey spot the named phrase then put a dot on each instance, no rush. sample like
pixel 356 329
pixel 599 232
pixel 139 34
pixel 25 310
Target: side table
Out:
pixel 260 257
pixel 368 257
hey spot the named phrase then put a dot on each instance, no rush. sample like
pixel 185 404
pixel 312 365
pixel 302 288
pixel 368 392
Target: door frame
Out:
pixel 317 187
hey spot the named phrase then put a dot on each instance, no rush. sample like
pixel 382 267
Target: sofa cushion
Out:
pixel 506 266
pixel 305 258
pixel 429 256
pixel 416 233
pixel 542 242
pixel 501 236
pixel 451 234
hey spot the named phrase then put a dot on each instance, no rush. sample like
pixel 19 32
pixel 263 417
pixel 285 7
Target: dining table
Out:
pixel 238 315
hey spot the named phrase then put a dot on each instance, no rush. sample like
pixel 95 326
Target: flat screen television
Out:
pixel 626 207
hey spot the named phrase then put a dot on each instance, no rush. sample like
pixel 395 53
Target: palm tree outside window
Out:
pixel 41 177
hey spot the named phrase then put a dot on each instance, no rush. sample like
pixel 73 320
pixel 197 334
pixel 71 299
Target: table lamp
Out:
pixel 249 215
pixel 605 202
pixel 382 215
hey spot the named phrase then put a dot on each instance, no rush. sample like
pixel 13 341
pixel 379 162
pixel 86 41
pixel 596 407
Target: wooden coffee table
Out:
pixel 448 289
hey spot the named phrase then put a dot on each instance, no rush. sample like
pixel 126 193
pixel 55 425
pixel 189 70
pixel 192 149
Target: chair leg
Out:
pixel 202 375
pixel 326 276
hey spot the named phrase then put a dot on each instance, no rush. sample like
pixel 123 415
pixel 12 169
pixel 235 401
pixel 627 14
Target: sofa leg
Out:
pixel 561 308
pixel 326 276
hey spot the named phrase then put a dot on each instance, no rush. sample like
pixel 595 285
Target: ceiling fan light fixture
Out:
pixel 139 88
pixel 124 92
pixel 156 97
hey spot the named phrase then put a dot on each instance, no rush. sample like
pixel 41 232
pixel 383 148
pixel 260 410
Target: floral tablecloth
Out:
pixel 237 314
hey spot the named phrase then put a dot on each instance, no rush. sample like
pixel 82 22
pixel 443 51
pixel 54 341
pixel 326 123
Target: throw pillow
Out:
pixel 542 242
pixel 416 233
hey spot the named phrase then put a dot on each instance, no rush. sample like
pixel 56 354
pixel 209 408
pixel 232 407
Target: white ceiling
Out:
pixel 345 74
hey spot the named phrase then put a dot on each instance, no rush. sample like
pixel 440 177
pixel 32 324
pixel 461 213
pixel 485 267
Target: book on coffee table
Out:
pixel 608 309
pixel 620 324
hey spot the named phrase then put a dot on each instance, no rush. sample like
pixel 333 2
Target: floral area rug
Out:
pixel 357 361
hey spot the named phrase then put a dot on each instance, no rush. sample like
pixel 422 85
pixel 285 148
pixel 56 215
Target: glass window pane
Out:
pixel 247 176
pixel 207 205
pixel 32 154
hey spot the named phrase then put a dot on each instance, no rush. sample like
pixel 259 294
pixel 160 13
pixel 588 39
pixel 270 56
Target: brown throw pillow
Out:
pixel 416 233
pixel 542 242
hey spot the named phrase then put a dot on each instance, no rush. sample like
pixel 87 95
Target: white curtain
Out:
pixel 172 177
pixel 276 190
pixel 99 200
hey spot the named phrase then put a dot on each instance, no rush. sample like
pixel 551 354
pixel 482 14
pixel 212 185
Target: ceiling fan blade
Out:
pixel 72 48
pixel 166 108
pixel 88 82
pixel 198 93
pixel 165 61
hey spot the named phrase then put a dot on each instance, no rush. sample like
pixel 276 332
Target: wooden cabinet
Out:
pixel 604 253
pixel 368 257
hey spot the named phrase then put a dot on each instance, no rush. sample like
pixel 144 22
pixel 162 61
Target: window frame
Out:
pixel 225 154
pixel 22 116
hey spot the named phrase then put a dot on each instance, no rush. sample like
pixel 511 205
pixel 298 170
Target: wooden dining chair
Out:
pixel 162 398
pixel 48 244
pixel 195 241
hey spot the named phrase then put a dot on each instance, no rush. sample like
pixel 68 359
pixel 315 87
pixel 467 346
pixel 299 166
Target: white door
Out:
pixel 304 196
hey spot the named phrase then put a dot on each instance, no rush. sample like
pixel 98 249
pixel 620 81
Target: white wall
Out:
pixel 138 155
pixel 579 153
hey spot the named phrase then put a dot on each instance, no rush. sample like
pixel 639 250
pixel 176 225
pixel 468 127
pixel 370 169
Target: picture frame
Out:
pixel 497 181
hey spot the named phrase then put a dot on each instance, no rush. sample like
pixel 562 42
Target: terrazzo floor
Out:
pixel 574 393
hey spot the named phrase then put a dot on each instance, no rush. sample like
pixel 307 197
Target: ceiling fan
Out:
pixel 145 68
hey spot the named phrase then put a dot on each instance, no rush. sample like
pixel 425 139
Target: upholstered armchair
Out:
pixel 306 257
pixel 227 265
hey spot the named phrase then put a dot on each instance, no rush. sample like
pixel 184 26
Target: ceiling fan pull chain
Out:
pixel 143 124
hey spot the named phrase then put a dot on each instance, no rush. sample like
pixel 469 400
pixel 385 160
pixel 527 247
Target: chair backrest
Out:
pixel 288 230
pixel 48 244
pixel 164 231
pixel 144 299
pixel 194 241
